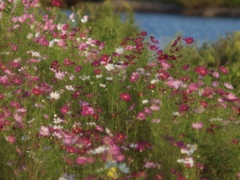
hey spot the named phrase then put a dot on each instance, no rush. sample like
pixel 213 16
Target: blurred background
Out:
pixel 204 20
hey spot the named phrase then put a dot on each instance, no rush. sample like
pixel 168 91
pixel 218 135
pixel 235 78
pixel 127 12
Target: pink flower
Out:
pixel 44 131
pixel 125 97
pixel 141 116
pixel 227 85
pixel 201 70
pixel 11 139
pixel 114 150
pixel 134 77
pixel 223 70
pixel 189 40
pixel 87 110
pixel 81 160
pixel 197 125
pixel 65 109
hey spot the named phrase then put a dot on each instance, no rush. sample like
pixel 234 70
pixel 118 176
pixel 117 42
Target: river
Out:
pixel 165 27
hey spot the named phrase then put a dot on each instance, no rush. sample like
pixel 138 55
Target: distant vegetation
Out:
pixel 201 3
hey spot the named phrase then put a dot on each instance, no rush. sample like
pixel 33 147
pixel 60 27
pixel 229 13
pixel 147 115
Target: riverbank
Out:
pixel 155 7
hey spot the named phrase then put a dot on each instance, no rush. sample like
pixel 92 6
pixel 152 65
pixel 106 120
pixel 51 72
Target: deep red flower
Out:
pixel 78 68
pixel 143 33
pixel 120 137
pixel 37 91
pixel 183 108
pixel 125 97
pixel 163 75
pixel 76 130
pixel 201 70
pixel 189 40
pixel 151 86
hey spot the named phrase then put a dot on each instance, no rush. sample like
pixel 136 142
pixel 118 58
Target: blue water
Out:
pixel 165 27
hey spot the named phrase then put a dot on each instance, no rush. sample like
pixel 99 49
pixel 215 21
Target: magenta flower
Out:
pixel 189 40
pixel 125 97
pixel 81 160
pixel 141 116
pixel 223 70
pixel 65 109
pixel 201 70
pixel 87 110
pixel 183 108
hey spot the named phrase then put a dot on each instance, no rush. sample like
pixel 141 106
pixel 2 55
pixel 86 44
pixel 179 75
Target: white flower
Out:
pixel 109 67
pixel 37 34
pixel 98 76
pixel 69 87
pixel 119 50
pixel 99 150
pixel 29 36
pixel 51 43
pixel 154 81
pixel 54 95
pixel 57 120
pixel 145 101
pixel 71 77
pixel 109 78
pixel 84 19
pixel 176 113
pixel 102 85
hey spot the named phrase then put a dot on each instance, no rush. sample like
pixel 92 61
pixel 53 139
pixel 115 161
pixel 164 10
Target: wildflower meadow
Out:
pixel 78 108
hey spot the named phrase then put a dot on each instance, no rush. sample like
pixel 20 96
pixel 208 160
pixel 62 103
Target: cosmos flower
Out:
pixel 189 40
pixel 54 95
pixel 125 97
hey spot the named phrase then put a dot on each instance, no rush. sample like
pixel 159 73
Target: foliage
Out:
pixel 74 107
pixel 224 52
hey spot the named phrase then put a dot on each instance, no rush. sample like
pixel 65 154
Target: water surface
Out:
pixel 165 27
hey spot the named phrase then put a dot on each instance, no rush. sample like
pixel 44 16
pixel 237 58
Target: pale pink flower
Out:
pixel 227 85
pixel 44 131
pixel 197 125
pixel 11 139
pixel 59 75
